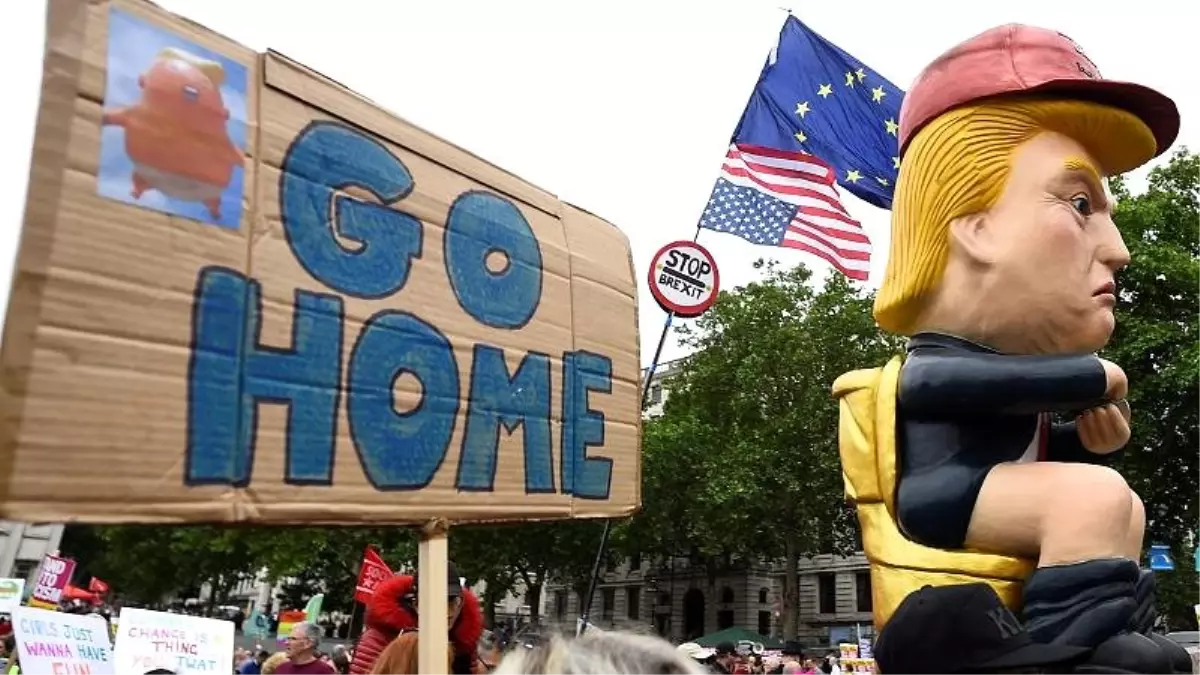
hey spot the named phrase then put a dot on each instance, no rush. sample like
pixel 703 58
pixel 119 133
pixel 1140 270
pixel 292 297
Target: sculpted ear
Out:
pixel 971 238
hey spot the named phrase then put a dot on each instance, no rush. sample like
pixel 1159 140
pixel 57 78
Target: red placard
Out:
pixel 52 579
pixel 372 571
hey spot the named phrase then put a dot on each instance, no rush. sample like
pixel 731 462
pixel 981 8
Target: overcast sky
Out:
pixel 624 108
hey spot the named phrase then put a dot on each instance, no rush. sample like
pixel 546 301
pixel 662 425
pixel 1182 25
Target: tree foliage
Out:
pixel 529 554
pixel 327 560
pixel 146 563
pixel 1157 344
pixel 745 458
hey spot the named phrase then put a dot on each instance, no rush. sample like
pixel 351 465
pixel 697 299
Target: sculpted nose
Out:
pixel 1110 249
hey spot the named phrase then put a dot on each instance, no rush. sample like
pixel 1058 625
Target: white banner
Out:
pixel 53 642
pixel 184 644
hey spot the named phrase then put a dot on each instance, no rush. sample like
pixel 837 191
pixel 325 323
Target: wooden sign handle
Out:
pixel 433 637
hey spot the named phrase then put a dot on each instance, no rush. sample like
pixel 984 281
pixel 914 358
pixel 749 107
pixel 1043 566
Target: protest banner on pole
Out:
pixel 372 571
pixel 53 577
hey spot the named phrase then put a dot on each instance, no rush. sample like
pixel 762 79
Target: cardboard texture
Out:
pixel 246 294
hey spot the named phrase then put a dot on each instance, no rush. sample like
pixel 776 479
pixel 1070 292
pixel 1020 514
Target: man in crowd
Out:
pixel 253 666
pixel 725 659
pixel 302 645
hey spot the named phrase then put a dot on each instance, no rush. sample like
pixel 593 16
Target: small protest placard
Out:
pixel 184 644
pixel 52 579
pixel 63 644
pixel 684 279
pixel 11 592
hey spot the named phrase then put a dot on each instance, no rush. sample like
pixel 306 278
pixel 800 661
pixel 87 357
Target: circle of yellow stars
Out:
pixel 853 78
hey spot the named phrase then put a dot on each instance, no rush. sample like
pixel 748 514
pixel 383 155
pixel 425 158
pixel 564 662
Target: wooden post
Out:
pixel 432 563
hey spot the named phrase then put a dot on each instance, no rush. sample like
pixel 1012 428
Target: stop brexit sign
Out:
pixel 684 279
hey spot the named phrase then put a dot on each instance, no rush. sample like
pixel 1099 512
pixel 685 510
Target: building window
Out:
pixel 560 604
pixel 608 598
pixel 726 595
pixel 764 623
pixel 635 562
pixel 724 619
pixel 633 602
pixel 664 599
pixel 655 394
pixel 826 593
pixel 762 597
pixel 862 591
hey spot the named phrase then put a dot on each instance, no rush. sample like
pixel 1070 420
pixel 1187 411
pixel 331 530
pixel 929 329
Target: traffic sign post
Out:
pixel 1160 558
pixel 684 279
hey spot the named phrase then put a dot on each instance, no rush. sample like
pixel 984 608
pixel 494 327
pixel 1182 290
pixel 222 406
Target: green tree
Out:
pixel 527 553
pixel 745 459
pixel 327 560
pixel 148 563
pixel 1157 344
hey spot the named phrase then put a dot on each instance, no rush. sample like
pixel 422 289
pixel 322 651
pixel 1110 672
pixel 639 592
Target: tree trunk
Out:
pixel 791 586
pixel 491 596
pixel 214 587
pixel 533 596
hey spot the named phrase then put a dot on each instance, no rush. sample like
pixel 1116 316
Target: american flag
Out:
pixel 818 118
pixel 785 198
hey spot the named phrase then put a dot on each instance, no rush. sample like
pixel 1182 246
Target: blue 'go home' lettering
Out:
pixel 325 157
pixel 481 224
pixel 583 476
pixel 497 399
pixel 366 249
pixel 230 374
pixel 401 451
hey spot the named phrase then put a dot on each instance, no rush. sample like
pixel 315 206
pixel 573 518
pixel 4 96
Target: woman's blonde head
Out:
pixel 599 652
pixel 273 662
pixel 959 165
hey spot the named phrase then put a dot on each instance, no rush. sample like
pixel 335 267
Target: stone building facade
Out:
pixel 682 600
pixel 22 547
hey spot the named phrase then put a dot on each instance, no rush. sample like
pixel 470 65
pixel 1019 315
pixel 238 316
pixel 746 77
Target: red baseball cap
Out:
pixel 1015 59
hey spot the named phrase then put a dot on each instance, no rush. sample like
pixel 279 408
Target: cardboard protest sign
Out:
pixel 180 643
pixel 252 295
pixel 60 643
pixel 53 576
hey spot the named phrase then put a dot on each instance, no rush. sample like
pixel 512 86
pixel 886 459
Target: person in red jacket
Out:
pixel 392 610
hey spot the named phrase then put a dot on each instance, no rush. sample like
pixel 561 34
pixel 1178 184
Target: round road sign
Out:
pixel 683 278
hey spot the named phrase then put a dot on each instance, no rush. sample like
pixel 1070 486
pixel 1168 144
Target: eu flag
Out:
pixel 815 98
pixel 817 119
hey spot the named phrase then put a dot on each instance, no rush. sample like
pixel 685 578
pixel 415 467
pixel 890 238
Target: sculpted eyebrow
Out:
pixel 1081 169
pixel 1076 168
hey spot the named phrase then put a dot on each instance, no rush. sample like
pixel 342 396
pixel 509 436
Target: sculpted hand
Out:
pixel 1104 429
pixel 1116 385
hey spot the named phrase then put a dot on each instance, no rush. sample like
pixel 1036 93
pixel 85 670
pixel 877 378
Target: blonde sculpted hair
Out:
pixel 959 165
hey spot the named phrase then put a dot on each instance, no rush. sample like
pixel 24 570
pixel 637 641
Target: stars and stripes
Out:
pixel 786 198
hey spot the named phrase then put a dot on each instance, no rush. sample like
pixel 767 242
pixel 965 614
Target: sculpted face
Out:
pixel 1048 252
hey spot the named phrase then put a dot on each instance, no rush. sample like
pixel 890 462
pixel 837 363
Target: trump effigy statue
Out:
pixel 983 453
